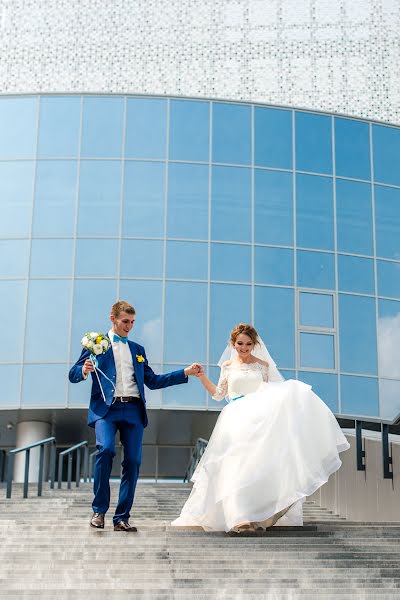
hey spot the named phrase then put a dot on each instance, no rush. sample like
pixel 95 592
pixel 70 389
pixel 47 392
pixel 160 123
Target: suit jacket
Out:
pixel 143 373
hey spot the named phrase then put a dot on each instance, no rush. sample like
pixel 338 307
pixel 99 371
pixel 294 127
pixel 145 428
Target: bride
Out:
pixel 273 445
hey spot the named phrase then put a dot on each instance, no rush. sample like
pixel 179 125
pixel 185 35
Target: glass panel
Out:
pixel 154 397
pixel 144 199
pixel 99 197
pixel 356 274
pixel 387 219
pixel 14 258
pixel 231 204
pixel 386 151
pixel 230 262
pixel 388 338
pixel 389 395
pixel 314 206
pixel 188 394
pixel 44 385
pixel 287 374
pixel 146 125
pixel 102 124
pixel 352 149
pixel 189 130
pixel 317 350
pixel 274 320
pixel 325 385
pixel 357 321
pixel 146 297
pixel 142 258
pixel 52 257
pixel 273 265
pixel 359 396
pixel 231 138
pixel 388 278
pixel 354 217
pixel 16 194
pixel 313 143
pixel 187 260
pixel 59 126
pixel 48 321
pixel 187 196
pixel 11 386
pixel 315 270
pixel 316 310
pixel 55 198
pixel 273 207
pixel 229 305
pixel 96 258
pixel 18 126
pixel 273 138
pixel 12 302
pixel 185 322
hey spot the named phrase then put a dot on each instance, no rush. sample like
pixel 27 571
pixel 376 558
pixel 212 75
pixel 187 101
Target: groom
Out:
pixel 125 364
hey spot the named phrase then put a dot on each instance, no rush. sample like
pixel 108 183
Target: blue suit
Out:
pixel 130 419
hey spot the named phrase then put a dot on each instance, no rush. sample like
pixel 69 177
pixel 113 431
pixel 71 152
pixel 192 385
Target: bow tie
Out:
pixel 118 338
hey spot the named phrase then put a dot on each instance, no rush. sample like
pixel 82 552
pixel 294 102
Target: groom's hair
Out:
pixel 122 306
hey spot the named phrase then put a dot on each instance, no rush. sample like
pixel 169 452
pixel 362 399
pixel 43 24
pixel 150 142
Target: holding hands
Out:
pixel 195 369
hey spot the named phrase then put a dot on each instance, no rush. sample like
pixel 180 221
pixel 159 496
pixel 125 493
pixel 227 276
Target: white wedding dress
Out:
pixel 271 448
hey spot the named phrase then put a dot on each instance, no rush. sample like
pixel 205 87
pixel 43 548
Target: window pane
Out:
pixel 274 321
pixel 99 198
pixel 314 206
pixel 144 199
pixel 313 143
pixel 18 126
pixel 273 138
pixel 273 207
pixel 357 322
pixel 352 149
pixel 79 394
pixel 317 350
pixel 231 204
pixel 185 335
pixel 356 274
pixel 11 386
pixel 14 258
pixel 315 270
pixel 231 139
pixel 325 385
pixel 388 338
pixel 388 278
pixel 52 257
pixel 96 258
pixel 59 126
pixel 142 258
pixel 387 218
pixel 16 196
pixel 359 396
pixel 55 197
pixel 187 260
pixel 187 196
pixel 146 120
pixel 189 128
pixel 146 297
pixel 230 305
pixel 273 265
pixel 188 394
pixel 44 386
pixel 287 374
pixel 230 262
pixel 354 217
pixel 12 302
pixel 316 310
pixel 389 395
pixel 48 326
pixel 386 149
pixel 102 123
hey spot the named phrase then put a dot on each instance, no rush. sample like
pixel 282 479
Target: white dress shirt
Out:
pixel 125 384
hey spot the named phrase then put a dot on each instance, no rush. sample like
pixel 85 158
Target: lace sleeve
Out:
pixel 265 373
pixel 222 387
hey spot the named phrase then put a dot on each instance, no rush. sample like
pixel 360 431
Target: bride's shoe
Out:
pixel 244 528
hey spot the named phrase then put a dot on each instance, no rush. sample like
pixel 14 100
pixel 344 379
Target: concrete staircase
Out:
pixel 48 550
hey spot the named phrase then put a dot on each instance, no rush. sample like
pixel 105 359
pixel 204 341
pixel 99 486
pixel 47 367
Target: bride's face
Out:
pixel 243 345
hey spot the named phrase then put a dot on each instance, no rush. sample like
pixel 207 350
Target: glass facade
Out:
pixel 201 214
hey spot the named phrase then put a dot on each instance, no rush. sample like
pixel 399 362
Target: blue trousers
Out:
pixel 128 419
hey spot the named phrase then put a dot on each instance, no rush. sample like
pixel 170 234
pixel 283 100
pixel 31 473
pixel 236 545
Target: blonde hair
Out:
pixel 247 330
pixel 122 306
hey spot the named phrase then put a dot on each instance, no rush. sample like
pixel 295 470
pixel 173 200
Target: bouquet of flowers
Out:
pixel 96 343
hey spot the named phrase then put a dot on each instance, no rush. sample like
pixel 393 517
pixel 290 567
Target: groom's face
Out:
pixel 123 323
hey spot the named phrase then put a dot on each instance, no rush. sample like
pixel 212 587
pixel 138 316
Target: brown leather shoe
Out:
pixel 97 520
pixel 124 526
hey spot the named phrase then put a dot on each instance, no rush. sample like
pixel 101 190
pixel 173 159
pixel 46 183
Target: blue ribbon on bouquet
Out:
pixel 95 363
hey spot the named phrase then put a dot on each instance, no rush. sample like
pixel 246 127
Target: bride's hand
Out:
pixel 195 369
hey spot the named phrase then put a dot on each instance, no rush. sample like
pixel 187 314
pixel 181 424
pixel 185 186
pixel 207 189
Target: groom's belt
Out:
pixel 126 399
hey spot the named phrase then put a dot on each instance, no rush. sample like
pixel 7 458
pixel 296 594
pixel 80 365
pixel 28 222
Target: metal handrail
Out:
pixel 27 450
pixel 69 452
pixel 91 460
pixel 198 451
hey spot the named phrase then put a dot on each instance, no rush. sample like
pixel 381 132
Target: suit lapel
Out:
pixel 136 365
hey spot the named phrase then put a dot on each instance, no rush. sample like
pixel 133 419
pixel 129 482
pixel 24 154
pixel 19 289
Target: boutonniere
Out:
pixel 139 358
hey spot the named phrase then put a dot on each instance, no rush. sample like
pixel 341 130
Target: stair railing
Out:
pixel 27 449
pixel 69 452
pixel 198 451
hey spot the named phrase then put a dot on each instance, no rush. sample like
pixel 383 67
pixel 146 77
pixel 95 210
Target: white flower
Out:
pixel 90 345
pixel 94 334
pixel 84 340
pixel 97 349
pixel 105 344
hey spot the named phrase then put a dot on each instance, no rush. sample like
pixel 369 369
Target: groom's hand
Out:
pixel 87 367
pixel 195 369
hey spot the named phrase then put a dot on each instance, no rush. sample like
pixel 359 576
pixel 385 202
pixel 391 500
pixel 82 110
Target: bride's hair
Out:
pixel 247 330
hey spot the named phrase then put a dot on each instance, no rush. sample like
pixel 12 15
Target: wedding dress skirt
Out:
pixel 269 450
